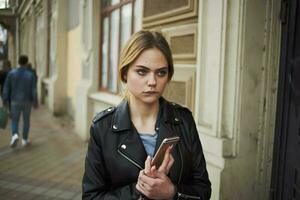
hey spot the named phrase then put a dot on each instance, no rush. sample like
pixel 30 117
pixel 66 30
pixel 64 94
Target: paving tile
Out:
pixel 66 195
pixel 50 168
pixel 25 188
pixel 39 190
pixel 2 183
pixel 78 196
pixel 12 185
pixel 53 192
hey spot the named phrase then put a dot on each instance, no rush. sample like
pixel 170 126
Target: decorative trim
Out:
pixel 269 97
pixel 39 8
pixel 86 36
pixel 211 62
pixel 105 97
pixel 183 30
pixel 188 11
pixel 185 74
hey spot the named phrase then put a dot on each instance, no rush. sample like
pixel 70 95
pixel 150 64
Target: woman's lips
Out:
pixel 150 93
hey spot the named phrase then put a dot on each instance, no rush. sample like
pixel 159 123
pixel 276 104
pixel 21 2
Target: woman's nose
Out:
pixel 152 80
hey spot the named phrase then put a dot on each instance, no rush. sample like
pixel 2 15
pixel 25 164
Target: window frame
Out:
pixel 107 12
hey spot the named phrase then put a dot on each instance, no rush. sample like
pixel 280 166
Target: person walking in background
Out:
pixel 3 73
pixel 30 68
pixel 20 89
pixel 33 71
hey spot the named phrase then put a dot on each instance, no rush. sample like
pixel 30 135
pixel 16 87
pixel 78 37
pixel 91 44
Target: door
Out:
pixel 286 160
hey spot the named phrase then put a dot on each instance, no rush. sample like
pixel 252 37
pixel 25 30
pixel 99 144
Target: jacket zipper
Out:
pixel 130 160
pixel 186 196
pixel 181 167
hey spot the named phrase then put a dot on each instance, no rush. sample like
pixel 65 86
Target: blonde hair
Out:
pixel 139 42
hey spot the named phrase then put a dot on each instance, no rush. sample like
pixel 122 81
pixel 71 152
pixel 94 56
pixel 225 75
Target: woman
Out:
pixel 123 139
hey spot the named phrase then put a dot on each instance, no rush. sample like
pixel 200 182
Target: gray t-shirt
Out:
pixel 149 141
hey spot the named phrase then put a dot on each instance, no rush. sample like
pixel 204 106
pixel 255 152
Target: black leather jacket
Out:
pixel 116 155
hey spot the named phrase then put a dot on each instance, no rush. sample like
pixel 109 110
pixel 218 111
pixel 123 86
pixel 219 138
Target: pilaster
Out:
pixel 234 78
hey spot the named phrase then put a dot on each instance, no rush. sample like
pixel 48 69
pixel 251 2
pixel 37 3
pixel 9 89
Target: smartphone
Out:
pixel 159 155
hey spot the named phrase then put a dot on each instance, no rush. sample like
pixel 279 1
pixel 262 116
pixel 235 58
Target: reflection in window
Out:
pixel 113 2
pixel 114 50
pixel 105 53
pixel 104 3
pixel 126 24
pixel 4 4
pixel 117 26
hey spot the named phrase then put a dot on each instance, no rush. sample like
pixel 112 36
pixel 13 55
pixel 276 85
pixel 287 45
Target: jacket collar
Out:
pixel 122 121
pixel 121 118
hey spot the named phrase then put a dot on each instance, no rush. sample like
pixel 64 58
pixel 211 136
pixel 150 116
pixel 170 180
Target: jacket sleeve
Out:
pixel 95 184
pixel 199 186
pixel 34 90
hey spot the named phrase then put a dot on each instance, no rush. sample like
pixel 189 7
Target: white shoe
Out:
pixel 14 140
pixel 25 142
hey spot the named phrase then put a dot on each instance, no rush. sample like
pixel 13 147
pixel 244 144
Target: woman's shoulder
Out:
pixel 103 114
pixel 178 111
pixel 180 108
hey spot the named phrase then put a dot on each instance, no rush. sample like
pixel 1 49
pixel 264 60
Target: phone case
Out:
pixel 159 155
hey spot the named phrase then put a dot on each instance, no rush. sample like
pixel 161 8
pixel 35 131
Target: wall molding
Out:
pixel 184 82
pixel 180 32
pixel 188 11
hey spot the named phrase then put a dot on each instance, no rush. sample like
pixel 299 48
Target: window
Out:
pixel 117 26
pixel 4 4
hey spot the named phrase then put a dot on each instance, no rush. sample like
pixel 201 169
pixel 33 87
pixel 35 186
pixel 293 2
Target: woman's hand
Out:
pixel 160 187
pixel 152 180
pixel 165 166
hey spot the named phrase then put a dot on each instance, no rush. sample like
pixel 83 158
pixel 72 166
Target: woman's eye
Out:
pixel 162 73
pixel 141 72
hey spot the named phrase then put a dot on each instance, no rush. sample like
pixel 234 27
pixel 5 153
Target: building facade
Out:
pixel 226 55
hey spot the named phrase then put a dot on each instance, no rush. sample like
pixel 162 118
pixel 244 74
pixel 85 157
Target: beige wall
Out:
pixel 73 67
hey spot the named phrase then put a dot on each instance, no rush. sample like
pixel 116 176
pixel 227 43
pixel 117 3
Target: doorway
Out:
pixel 285 182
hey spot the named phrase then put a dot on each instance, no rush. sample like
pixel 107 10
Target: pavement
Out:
pixel 51 167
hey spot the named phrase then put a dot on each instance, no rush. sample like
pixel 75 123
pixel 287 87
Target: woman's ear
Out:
pixel 125 78
pixel 124 72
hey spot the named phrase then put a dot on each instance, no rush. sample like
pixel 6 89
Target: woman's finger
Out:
pixel 163 167
pixel 147 169
pixel 170 164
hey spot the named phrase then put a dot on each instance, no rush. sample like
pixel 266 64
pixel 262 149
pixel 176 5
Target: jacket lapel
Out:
pixel 170 127
pixel 130 146
pixel 167 122
pixel 133 148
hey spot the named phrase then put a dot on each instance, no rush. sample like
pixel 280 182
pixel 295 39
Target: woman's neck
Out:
pixel 143 115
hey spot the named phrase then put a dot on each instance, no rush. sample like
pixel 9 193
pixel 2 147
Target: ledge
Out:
pixel 105 97
pixel 220 147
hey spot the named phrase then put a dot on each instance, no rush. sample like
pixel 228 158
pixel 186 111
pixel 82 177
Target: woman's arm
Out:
pixel 95 184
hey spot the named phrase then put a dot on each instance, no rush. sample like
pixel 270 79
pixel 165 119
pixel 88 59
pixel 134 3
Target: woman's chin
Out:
pixel 149 99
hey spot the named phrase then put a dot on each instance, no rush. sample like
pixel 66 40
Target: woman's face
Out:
pixel 147 76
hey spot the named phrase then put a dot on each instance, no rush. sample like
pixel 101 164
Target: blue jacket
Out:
pixel 20 86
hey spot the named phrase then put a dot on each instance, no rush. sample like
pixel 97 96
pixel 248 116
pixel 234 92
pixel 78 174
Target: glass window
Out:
pixel 114 50
pixel 104 57
pixel 104 3
pixel 126 24
pixel 113 2
pixel 117 25
pixel 4 4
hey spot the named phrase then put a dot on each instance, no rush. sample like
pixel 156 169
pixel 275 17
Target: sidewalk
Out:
pixel 50 168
